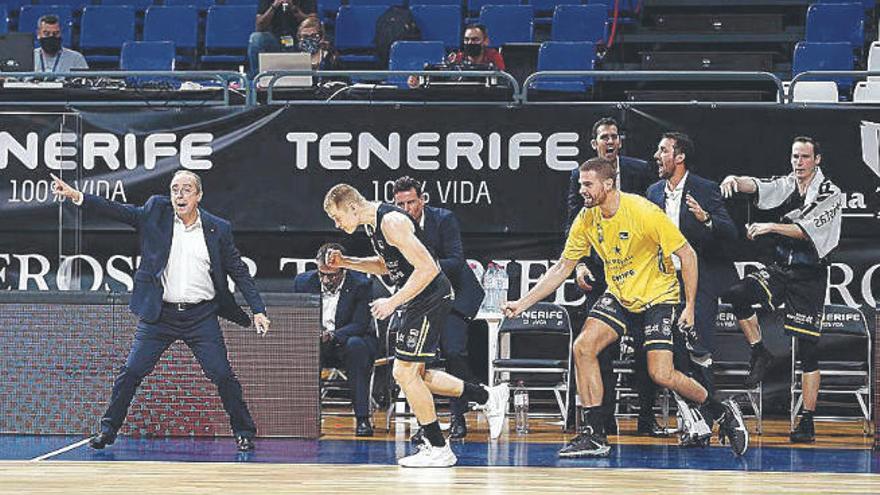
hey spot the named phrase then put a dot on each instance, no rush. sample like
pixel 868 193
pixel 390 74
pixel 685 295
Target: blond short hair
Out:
pixel 342 194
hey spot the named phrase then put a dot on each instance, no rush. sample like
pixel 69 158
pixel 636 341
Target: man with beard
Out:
pixel 635 239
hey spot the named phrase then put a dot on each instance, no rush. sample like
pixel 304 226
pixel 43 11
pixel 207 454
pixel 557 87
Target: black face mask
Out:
pixel 51 44
pixel 472 49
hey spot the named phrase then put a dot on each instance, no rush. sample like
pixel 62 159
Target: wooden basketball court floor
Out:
pixel 841 461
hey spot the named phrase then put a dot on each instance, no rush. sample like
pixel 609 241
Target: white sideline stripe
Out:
pixel 61 450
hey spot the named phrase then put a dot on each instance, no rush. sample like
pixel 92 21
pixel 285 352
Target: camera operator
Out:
pixel 275 29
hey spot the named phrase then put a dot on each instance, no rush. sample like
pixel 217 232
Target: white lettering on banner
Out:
pixel 448 192
pixel 30 191
pixel 59 149
pixel 423 149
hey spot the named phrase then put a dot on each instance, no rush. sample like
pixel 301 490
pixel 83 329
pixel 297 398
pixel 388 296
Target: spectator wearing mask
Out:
pixel 275 28
pixel 310 39
pixel 51 56
pixel 475 49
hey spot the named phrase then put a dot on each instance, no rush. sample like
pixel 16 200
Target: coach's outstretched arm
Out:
pixel 548 283
pixel 124 213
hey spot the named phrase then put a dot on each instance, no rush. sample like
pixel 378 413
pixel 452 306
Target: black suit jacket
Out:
pixel 353 308
pixel 635 176
pixel 154 222
pixel 443 236
pixel 715 267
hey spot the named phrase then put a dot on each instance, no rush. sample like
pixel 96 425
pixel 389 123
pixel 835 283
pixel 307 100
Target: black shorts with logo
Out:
pixel 419 322
pixel 801 289
pixel 652 327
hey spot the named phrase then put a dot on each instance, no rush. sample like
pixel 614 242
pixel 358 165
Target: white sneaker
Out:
pixel 429 456
pixel 496 409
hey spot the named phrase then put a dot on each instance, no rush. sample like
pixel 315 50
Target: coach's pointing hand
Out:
pixel 63 189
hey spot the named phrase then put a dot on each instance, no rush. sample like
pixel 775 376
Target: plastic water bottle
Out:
pixel 490 277
pixel 521 407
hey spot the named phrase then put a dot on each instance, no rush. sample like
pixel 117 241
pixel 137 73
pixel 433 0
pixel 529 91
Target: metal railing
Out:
pixel 133 92
pixel 380 80
pixel 652 76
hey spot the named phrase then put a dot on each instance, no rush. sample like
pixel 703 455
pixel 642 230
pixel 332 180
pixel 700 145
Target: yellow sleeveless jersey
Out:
pixel 636 245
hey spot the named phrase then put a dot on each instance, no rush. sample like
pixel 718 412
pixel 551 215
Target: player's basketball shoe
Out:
pixel 496 409
pixel 732 428
pixel 586 444
pixel 429 456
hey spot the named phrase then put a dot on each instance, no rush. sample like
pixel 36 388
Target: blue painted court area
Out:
pixel 16 447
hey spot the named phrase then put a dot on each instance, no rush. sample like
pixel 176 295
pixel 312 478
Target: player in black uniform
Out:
pixel 422 302
pixel 797 276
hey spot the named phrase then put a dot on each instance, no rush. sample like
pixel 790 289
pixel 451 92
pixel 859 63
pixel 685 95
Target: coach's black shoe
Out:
pixel 363 428
pixel 101 440
pixel 758 365
pixel 458 428
pixel 586 444
pixel 732 429
pixel 648 427
pixel 245 444
pixel 805 432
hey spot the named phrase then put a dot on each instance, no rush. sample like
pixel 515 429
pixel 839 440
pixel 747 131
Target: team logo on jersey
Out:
pixel 413 338
pixel 624 236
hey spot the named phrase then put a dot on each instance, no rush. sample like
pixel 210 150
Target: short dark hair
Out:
pixel 481 27
pixel 605 168
pixel 406 183
pixel 684 145
pixel 47 19
pixel 807 139
pixel 322 251
pixel 609 121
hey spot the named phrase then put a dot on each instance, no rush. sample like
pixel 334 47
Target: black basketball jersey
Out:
pixel 399 269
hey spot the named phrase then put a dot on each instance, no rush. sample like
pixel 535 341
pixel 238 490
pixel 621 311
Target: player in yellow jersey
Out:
pixel 635 239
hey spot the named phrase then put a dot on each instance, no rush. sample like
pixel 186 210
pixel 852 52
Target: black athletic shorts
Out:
pixel 419 322
pixel 652 327
pixel 801 289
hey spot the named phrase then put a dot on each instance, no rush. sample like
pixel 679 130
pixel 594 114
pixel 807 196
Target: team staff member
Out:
pixel 797 277
pixel 179 290
pixel 635 239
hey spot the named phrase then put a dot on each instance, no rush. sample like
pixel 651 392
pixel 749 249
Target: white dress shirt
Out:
pixel 329 301
pixel 673 209
pixel 187 275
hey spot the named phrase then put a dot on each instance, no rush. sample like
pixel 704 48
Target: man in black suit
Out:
pixel 633 176
pixel 347 338
pixel 442 235
pixel 695 206
pixel 179 290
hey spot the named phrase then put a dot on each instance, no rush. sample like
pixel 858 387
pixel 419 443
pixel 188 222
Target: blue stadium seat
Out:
pixel 29 14
pixel 139 5
pixel 201 5
pixel 439 23
pixel 508 23
pixel 355 30
pixel 227 30
pixel 824 56
pixel 255 3
pixel 177 24
pixel 434 2
pixel 413 55
pixel 384 3
pixel 327 10
pixel 565 55
pixel 77 5
pixel 867 4
pixel 4 19
pixel 579 23
pixel 545 8
pixel 475 6
pixel 103 30
pixel 147 55
pixel 829 22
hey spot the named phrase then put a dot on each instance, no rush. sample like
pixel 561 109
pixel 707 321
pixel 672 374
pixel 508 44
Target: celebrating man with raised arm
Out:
pixel 179 290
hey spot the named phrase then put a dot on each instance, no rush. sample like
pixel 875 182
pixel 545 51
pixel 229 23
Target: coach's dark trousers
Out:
pixel 199 329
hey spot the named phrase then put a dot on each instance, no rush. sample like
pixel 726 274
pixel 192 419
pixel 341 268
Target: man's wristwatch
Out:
pixel 708 219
